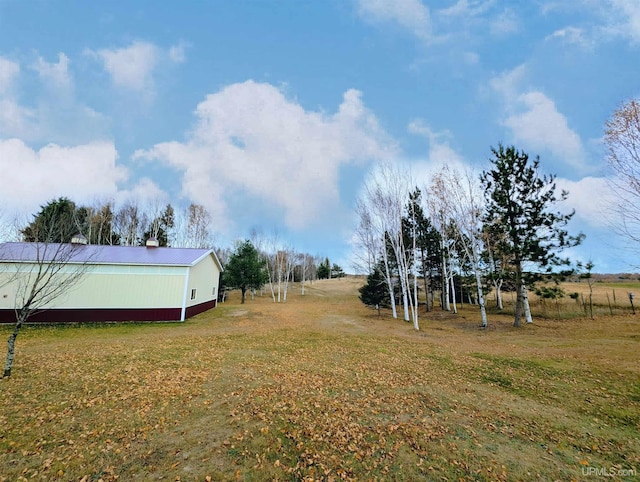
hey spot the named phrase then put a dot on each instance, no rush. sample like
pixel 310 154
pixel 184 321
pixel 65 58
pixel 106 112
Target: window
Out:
pixel 193 293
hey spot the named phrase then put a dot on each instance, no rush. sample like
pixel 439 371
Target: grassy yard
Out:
pixel 321 388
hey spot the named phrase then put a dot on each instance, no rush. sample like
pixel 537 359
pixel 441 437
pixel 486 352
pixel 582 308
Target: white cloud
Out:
pixel 144 193
pixel 467 8
pixel 506 23
pixel 625 19
pixel 130 67
pixel 607 20
pixel 570 35
pixel 410 14
pixel 9 71
pixel 471 58
pixel 440 152
pixel 590 197
pixel 508 83
pixel 539 124
pixel 251 142
pixel 31 178
pixel 534 120
pixel 177 53
pixel 56 73
pixel 15 120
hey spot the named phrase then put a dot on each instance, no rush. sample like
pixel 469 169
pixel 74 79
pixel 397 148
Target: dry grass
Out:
pixel 321 388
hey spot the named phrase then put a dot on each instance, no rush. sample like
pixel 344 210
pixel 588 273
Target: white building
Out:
pixel 120 283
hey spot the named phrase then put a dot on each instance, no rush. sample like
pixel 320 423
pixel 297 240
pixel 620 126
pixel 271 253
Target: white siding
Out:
pixel 203 278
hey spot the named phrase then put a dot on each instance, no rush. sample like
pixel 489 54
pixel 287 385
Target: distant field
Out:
pixel 322 388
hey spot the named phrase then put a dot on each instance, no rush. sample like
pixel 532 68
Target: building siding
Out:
pixel 113 292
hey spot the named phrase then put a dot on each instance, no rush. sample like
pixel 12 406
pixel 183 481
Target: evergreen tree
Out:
pixel 324 269
pixel 375 292
pixel 337 271
pixel 245 270
pixel 518 207
pixel 56 222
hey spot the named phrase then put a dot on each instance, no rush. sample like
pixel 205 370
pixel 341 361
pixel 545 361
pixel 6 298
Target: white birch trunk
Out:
pixel 525 303
pixel 445 282
pixel 483 309
pixel 385 258
pixel 453 292
pixel 498 287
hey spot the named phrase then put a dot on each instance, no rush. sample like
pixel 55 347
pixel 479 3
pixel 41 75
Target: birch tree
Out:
pixel 127 223
pixel 198 233
pixel 461 198
pixel 440 219
pixel 384 197
pixel 426 251
pixel 305 264
pixel 366 240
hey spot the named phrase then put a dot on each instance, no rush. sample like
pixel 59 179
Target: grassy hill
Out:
pixel 322 388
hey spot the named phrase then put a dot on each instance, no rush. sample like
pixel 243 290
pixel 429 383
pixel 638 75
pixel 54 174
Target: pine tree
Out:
pixel 245 270
pixel 518 207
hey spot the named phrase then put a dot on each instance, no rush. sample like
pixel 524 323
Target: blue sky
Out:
pixel 271 113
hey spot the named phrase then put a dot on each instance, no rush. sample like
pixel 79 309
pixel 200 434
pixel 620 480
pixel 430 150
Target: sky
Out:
pixel 272 114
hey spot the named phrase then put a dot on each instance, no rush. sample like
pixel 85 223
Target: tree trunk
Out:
pixel 483 310
pixel 525 305
pixel 498 286
pixel 389 284
pixel 445 284
pixel 11 346
pixel 519 301
pixel 244 290
pixel 424 279
pixel 453 292
pixel 10 354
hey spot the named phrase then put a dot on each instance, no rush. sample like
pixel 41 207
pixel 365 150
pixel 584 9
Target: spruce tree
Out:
pixel 375 292
pixel 245 270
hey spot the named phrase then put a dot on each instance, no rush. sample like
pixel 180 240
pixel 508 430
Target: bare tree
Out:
pixel 366 243
pixel 381 209
pixel 461 198
pixel 128 221
pixel 306 266
pixel 37 274
pixel 437 208
pixel 198 226
pixel 497 262
pixel 622 138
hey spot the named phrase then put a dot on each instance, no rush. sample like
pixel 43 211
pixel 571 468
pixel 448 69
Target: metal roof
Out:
pixel 98 254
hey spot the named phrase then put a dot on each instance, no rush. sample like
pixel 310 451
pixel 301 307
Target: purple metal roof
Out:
pixel 95 254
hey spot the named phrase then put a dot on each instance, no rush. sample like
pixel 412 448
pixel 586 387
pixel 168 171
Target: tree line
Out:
pixel 131 224
pixel 262 262
pixel 461 233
